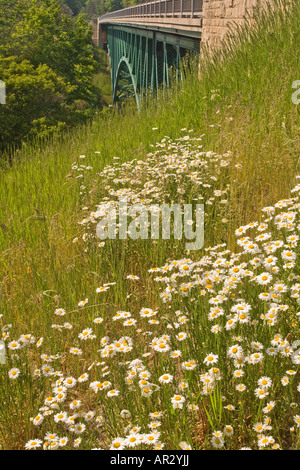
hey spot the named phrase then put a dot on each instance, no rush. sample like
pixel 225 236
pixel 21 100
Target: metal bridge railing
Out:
pixel 160 9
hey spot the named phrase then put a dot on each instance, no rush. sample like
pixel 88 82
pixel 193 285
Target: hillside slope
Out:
pixel 230 140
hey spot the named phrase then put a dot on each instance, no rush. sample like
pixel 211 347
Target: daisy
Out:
pixel 291 372
pixel 264 382
pixel 129 322
pixel 231 324
pixel 261 393
pixel 211 359
pixel 181 336
pixel 177 401
pixel 77 442
pixel 86 334
pixel 101 289
pixel 151 438
pixel 83 378
pixel 229 407
pixel 13 345
pixel 288 255
pixel 264 441
pixel 33 444
pixel 162 347
pixel 165 379
pixel 156 415
pixel 240 387
pixel 79 428
pixel 75 351
pixel 146 392
pixel 184 445
pixel 63 441
pixel 238 373
pixel 145 374
pixel 60 417
pixel 113 393
pixel 297 420
pixel 255 358
pixel 258 427
pixel 38 420
pixel 228 430
pixel 216 329
pixel 175 354
pixel 189 365
pixel 285 380
pixel 193 407
pixel 235 351
pixel 51 437
pixel 217 439
pixel 70 382
pixel 89 415
pixel 269 407
pixel 146 312
pixel 60 397
pixel 60 312
pixel 117 444
pixel 75 405
pixel 14 373
pixel 264 278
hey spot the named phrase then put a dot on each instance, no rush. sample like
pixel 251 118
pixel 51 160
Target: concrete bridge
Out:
pixel 146 41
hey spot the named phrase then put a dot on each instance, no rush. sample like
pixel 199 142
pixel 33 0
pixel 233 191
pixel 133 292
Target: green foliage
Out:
pixel 241 103
pixel 35 96
pixel 37 104
pixel 94 8
pixel 129 3
pixel 47 36
pixel 75 5
pixel 40 40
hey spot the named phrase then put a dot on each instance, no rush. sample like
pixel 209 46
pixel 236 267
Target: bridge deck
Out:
pixel 191 27
pixel 146 43
pixel 176 16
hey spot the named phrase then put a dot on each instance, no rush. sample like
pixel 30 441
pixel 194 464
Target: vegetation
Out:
pixel 231 137
pixel 94 8
pixel 48 63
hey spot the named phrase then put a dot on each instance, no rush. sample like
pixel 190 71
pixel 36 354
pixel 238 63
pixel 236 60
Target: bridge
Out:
pixel 146 41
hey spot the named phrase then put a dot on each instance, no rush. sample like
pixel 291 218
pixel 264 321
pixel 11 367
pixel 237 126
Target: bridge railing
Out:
pixel 160 9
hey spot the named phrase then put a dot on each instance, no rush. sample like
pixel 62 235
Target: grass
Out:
pixel 242 104
pixel 103 80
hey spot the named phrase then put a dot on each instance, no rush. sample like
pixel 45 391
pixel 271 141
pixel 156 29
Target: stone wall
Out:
pixel 218 14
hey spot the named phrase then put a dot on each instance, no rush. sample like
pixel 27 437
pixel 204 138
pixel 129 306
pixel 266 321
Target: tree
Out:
pixel 45 35
pixel 34 96
pixel 94 8
pixel 75 5
pixel 113 5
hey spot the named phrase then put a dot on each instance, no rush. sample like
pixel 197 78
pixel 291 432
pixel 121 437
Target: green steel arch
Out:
pixel 141 60
pixel 125 82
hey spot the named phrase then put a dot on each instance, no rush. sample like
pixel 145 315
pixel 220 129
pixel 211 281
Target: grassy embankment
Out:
pixel 242 104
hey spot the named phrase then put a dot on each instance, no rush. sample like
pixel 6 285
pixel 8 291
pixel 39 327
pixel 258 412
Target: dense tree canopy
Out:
pixel 47 62
pixel 75 5
pixel 99 7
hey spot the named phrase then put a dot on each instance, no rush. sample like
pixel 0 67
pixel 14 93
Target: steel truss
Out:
pixel 142 60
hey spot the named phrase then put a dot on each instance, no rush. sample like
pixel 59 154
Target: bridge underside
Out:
pixel 141 59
